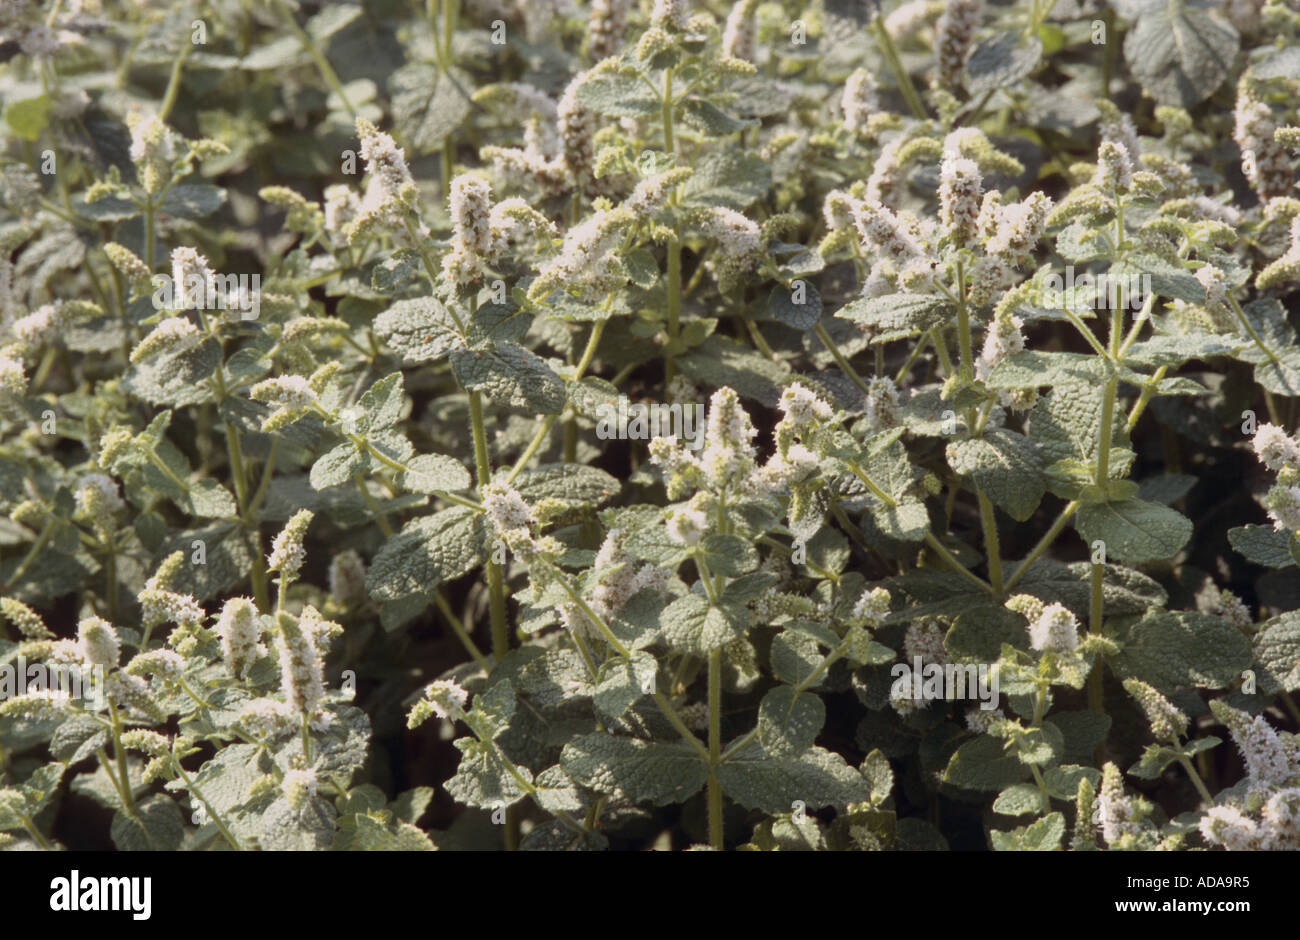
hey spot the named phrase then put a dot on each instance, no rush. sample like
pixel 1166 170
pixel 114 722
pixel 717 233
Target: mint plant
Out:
pixel 349 354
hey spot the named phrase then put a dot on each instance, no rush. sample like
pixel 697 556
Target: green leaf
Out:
pixel 789 721
pixel 1135 530
pixel 175 378
pixel 509 374
pixel 895 316
pixel 336 466
pixel 1155 758
pixel 430 473
pixel 1001 60
pixel 1083 731
pixel 906 521
pixel 382 405
pixel 796 315
pixel 331 19
pixel 708 118
pixel 208 499
pixel 879 775
pixel 428 104
pixel 418 330
pixel 281 53
pixel 618 96
pixel 728 555
pixel 156 826
pixel 981 764
pixel 482 779
pixel 773 784
pixel 621 682
pixel 1006 466
pixel 28 117
pixel 1277 651
pixel 730 178
pixel 1263 545
pixel 1063 782
pixel 1020 799
pixel 641 771
pixel 720 360
pixel 1042 836
pixel 691 624
pixel 1181 649
pixel 794 656
pixel 427 552
pixel 1179 52
pixel 571 483
pixel 1167 279
pixel 193 200
pixel 1030 369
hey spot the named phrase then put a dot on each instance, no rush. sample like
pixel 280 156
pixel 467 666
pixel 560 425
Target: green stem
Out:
pixel 462 634
pixel 120 754
pixel 322 64
pixel 1197 782
pixel 1044 543
pixel 990 541
pixel 213 815
pixel 35 833
pixel 715 748
pixel 1095 687
pixel 496 587
pixel 896 66
pixel 174 82
pixel 840 361
pixel 955 565
pixel 45 535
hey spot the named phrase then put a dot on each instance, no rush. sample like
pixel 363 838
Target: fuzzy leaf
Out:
pixel 428 104
pixel 1135 530
pixel 418 330
pixel 693 625
pixel 1277 650
pixel 789 721
pixel 772 784
pixel 509 374
pixel 1181 649
pixel 1179 52
pixel 1264 545
pixel 895 316
pixel 1006 466
pixel 427 552
pixel 1041 836
pixel 642 771
pixel 1001 60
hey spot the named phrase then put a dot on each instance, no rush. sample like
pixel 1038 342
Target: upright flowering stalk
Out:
pixel 1281 452
pixel 740 33
pixel 738 245
pixel 287 552
pixel 241 635
pixel 153 148
pixel 1264 161
pixel 960 192
pixel 953 36
pixel 1268 765
pixel 606 26
pixel 391 192
pixel 471 230
pixel 301 668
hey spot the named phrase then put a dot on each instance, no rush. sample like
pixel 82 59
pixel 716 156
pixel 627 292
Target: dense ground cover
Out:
pixel 625 425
